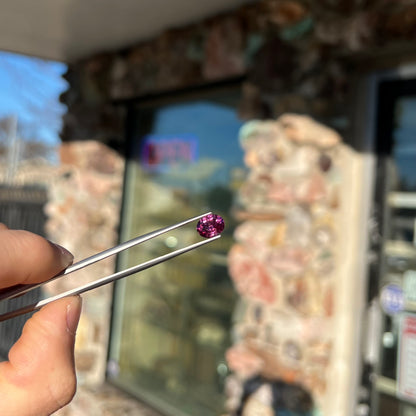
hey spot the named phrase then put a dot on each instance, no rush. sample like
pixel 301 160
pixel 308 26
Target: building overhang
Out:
pixel 70 30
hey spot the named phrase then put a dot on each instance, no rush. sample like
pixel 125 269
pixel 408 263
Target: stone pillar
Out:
pixel 83 216
pixel 294 264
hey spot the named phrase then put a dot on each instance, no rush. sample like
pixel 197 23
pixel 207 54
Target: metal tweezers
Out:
pixel 19 290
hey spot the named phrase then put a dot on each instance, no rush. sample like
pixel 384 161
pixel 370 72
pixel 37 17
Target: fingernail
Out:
pixel 66 256
pixel 73 313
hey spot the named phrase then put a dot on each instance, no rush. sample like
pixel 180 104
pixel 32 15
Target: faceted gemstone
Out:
pixel 210 226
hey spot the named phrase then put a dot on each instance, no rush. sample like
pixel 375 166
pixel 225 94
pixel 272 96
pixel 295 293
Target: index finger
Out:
pixel 27 258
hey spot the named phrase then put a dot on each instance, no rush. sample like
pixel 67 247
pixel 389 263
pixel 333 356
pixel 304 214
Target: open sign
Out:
pixel 163 152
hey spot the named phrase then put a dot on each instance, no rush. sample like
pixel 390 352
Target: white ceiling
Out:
pixel 67 30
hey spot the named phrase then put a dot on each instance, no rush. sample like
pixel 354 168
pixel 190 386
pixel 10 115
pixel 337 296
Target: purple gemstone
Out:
pixel 210 226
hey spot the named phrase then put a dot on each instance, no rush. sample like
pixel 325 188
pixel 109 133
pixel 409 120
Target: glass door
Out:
pixel 395 380
pixel 172 322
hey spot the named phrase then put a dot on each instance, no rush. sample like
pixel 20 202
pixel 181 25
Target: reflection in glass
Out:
pixel 172 323
pixel 400 250
pixel 404 144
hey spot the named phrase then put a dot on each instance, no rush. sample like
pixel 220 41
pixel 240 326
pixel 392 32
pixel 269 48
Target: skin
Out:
pixel 39 377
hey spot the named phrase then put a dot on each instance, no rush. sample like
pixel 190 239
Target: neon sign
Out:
pixel 163 152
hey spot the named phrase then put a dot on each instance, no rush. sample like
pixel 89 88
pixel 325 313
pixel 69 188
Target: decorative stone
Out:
pixel 311 190
pixel 254 234
pixel 297 295
pixel 288 261
pixel 325 162
pixel 304 130
pixel 250 276
pixel 210 226
pixel 243 361
pixel 299 225
pixel 292 350
pixel 224 46
pixel 324 262
pixel 286 13
pixel 323 236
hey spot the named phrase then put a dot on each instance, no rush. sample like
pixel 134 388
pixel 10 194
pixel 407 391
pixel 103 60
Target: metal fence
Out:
pixel 20 208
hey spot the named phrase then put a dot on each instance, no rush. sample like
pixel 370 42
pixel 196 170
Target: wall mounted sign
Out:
pixel 406 363
pixel 392 299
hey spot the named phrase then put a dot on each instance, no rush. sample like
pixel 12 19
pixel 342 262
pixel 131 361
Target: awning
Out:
pixel 68 30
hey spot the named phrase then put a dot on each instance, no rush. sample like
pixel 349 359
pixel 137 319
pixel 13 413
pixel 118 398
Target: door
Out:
pixel 394 391
pixel 172 322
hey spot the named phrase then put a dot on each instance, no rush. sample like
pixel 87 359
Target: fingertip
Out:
pixel 42 360
pixel 29 258
pixel 65 257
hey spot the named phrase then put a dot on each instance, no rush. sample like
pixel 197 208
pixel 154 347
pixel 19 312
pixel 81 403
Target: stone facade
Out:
pixel 285 264
pixel 83 215
pixel 293 56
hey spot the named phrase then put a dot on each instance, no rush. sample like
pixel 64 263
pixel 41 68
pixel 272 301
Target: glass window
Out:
pixel 404 144
pixel 396 140
pixel 171 323
pixel 400 215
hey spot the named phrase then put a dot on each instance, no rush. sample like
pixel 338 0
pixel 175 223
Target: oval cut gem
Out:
pixel 210 225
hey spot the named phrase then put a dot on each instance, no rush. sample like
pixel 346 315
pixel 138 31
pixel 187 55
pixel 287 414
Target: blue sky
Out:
pixel 29 90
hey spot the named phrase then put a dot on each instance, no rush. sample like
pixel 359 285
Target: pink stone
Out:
pixel 210 226
pixel 244 361
pixel 249 275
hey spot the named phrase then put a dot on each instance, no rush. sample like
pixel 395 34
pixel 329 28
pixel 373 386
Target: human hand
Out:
pixel 39 377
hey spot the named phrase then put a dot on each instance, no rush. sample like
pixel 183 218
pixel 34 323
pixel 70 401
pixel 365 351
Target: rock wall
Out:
pixel 293 56
pixel 84 197
pixel 287 264
pixel 83 215
pixel 83 210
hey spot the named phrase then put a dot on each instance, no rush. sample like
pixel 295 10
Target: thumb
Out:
pixel 39 377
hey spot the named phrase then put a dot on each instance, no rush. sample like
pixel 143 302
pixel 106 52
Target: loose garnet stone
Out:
pixel 210 226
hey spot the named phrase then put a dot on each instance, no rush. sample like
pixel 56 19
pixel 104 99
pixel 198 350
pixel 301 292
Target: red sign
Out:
pixel 159 152
pixel 406 364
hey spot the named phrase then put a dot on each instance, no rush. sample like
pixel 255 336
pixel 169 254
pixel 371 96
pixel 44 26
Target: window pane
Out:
pixel 404 144
pixel 399 228
pixel 172 322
